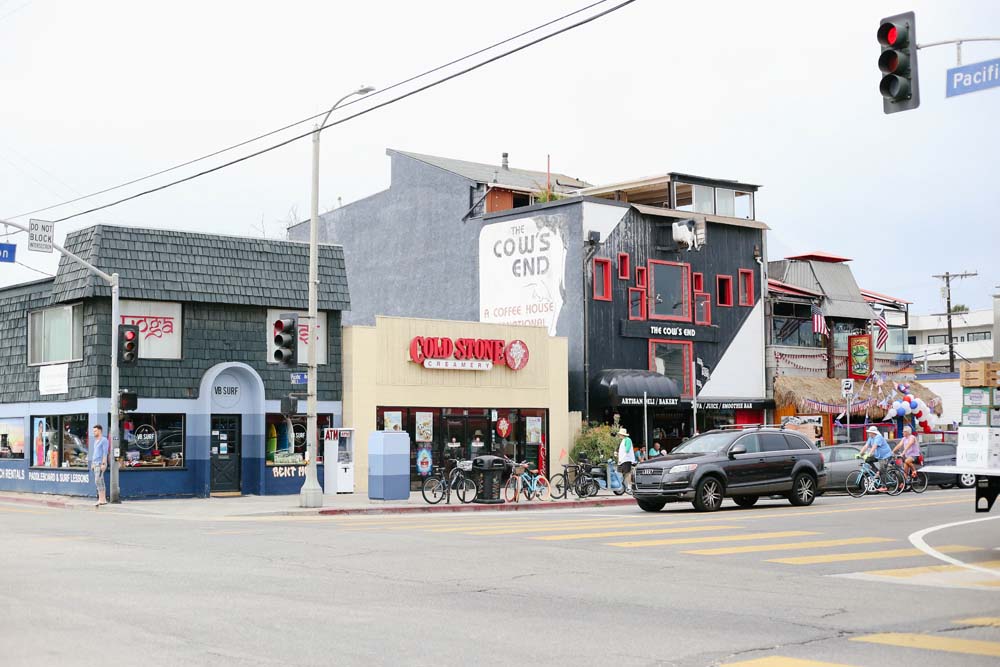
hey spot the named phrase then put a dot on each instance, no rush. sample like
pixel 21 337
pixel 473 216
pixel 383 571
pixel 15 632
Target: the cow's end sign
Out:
pixel 468 354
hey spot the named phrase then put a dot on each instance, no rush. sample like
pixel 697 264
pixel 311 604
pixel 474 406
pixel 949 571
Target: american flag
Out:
pixel 883 330
pixel 819 322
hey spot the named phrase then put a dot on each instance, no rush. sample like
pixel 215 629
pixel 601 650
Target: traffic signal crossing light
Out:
pixel 900 88
pixel 128 344
pixel 128 401
pixel 286 339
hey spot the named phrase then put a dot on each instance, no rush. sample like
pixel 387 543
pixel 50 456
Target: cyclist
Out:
pixel 910 447
pixel 878 451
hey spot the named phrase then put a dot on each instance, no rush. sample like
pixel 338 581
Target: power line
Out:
pixel 315 116
pixel 44 273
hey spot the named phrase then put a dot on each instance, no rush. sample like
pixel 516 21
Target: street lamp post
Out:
pixel 311 494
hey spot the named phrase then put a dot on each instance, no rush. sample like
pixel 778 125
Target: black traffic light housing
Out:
pixel 286 339
pixel 128 345
pixel 128 401
pixel 897 37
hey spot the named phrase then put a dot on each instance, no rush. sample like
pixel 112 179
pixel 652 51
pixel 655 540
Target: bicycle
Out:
pixel 435 488
pixel 527 482
pixel 867 480
pixel 575 477
pixel 918 483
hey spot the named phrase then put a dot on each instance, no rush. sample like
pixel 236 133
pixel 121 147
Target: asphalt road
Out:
pixel 838 583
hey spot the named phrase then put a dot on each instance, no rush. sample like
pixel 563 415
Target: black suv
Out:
pixel 741 464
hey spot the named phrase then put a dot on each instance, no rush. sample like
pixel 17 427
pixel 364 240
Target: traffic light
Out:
pixel 128 401
pixel 286 338
pixel 128 344
pixel 897 35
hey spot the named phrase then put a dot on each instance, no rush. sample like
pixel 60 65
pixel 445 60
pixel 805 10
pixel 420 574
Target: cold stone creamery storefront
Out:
pixel 459 389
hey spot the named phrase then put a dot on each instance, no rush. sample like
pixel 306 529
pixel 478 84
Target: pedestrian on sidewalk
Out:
pixel 626 457
pixel 97 460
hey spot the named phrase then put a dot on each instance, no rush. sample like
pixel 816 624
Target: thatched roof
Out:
pixel 812 394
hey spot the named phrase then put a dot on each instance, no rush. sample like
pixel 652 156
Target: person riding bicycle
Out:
pixel 878 452
pixel 910 447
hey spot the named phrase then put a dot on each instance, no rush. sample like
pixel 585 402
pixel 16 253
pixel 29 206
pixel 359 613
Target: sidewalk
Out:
pixel 257 506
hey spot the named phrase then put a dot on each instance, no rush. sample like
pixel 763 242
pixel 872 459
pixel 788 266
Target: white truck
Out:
pixel 978 454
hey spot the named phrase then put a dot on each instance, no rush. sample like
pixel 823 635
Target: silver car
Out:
pixel 841 461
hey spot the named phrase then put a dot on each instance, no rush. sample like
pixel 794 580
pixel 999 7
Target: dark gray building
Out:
pixel 207 417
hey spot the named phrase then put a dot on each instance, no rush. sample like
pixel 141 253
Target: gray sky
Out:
pixel 783 94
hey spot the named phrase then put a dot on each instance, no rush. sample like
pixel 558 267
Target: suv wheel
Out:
pixel 803 490
pixel 651 505
pixel 708 494
pixel 746 501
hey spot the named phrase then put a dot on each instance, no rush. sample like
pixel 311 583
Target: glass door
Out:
pixel 225 453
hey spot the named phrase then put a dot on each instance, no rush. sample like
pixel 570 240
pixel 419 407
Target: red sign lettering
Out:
pixel 514 354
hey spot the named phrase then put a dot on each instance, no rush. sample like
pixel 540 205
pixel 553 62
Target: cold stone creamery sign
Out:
pixel 468 354
pixel 522 268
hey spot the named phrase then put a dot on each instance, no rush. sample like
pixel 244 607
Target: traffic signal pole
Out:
pixel 114 494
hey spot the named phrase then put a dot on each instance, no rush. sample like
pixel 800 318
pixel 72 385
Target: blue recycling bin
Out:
pixel 389 465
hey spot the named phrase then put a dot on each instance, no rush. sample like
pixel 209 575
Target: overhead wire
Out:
pixel 289 126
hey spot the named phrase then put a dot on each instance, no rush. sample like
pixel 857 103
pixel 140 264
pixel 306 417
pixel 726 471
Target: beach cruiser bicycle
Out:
pixel 918 483
pixel 575 477
pixel 440 487
pixel 867 480
pixel 527 483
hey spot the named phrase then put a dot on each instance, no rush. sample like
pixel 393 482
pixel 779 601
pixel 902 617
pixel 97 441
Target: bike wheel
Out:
pixel 557 485
pixel 593 488
pixel 857 485
pixel 511 489
pixel 466 490
pixel 433 490
pixel 894 482
pixel 543 490
pixel 919 483
pixel 582 486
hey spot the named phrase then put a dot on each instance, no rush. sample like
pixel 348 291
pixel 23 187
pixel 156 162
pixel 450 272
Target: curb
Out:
pixel 60 504
pixel 472 507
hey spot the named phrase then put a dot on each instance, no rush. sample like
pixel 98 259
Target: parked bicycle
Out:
pixel 527 483
pixel 575 477
pixel 868 480
pixel 436 488
pixel 916 483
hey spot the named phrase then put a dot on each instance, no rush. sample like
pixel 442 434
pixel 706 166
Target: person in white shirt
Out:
pixel 626 457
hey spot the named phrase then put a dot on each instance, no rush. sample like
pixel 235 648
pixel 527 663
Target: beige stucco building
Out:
pixel 484 388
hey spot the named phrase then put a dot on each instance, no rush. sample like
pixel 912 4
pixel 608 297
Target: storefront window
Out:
pixel 59 441
pixel 12 438
pixel 673 359
pixel 670 291
pixel 791 324
pixel 153 440
pixel 285 439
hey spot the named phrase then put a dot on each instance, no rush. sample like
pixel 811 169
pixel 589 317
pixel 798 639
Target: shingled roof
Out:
pixel 206 268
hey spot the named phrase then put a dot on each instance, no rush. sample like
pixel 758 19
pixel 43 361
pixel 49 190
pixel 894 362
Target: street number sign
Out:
pixel 40 233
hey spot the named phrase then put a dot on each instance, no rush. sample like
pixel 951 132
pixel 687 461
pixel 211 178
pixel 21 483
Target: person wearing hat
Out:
pixel 878 451
pixel 626 457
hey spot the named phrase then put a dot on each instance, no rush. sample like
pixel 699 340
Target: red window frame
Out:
pixel 642 308
pixel 698 282
pixel 728 290
pixel 602 264
pixel 640 276
pixel 746 295
pixel 624 266
pixel 685 292
pixel 707 298
pixel 688 356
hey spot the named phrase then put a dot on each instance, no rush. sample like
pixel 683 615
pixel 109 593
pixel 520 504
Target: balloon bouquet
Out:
pixel 910 405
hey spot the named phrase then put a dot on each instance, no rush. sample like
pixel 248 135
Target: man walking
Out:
pixel 626 457
pixel 97 460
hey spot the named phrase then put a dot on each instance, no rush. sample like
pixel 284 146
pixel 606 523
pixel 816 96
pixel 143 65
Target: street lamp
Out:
pixel 311 494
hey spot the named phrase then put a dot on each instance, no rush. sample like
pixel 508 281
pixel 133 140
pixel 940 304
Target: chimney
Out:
pixel 503 162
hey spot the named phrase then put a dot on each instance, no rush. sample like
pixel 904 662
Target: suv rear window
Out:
pixel 772 442
pixel 795 442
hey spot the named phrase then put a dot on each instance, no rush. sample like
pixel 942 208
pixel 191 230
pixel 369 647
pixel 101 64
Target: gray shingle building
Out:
pixel 207 417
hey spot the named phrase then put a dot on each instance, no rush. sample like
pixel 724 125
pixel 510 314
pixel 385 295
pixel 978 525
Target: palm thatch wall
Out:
pixel 812 394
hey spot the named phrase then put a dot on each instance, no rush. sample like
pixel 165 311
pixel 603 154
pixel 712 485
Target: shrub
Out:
pixel 596 442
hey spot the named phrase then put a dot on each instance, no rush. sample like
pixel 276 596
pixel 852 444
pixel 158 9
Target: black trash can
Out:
pixel 488 471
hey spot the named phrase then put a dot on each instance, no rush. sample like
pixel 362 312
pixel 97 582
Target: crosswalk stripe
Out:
pixel 932 643
pixel 539 525
pixel 865 555
pixel 783 661
pixel 540 529
pixel 817 544
pixel 983 621
pixel 624 533
pixel 714 538
pixel 907 572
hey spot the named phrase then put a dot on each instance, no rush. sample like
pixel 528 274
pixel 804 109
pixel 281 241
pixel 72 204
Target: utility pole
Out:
pixel 947 278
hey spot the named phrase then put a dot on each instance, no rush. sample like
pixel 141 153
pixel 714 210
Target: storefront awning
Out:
pixel 612 385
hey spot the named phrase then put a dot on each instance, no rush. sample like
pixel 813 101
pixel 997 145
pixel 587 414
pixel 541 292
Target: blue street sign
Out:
pixel 7 252
pixel 970 78
pixel 299 378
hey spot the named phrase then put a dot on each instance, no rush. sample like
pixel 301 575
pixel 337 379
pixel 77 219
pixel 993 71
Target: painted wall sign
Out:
pixel 273 314
pixel 478 354
pixel 226 391
pixel 160 327
pixel 859 363
pixel 522 269
pixel 637 329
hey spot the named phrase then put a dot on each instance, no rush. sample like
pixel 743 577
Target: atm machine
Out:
pixel 338 460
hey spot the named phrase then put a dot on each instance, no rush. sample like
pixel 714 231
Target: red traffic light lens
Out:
pixel 893 62
pixel 129 335
pixel 891 34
